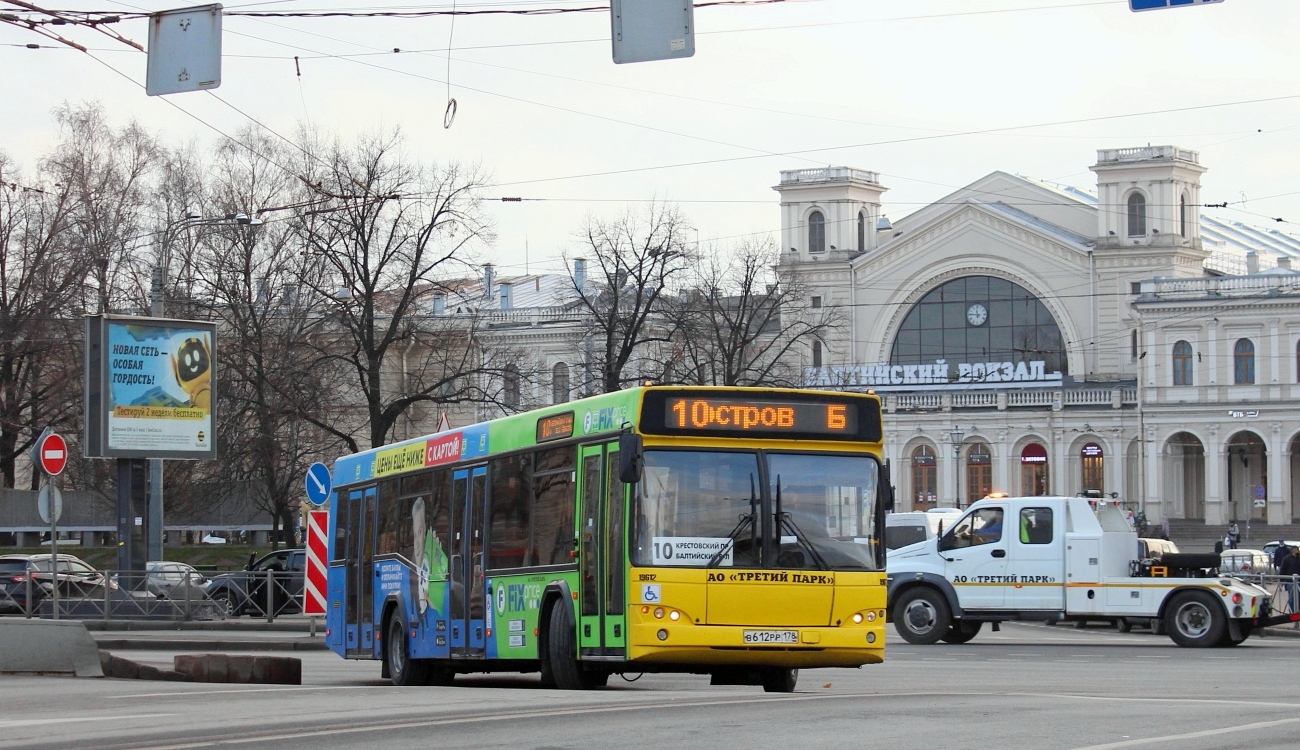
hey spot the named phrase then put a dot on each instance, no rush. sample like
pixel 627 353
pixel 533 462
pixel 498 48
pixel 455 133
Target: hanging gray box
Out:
pixel 644 30
pixel 184 50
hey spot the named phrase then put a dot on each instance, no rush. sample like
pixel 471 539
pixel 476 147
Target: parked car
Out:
pixel 1245 561
pixel 74 577
pixel 248 592
pixel 166 580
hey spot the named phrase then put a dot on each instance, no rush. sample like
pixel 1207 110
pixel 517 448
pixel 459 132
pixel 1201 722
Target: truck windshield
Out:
pixel 707 508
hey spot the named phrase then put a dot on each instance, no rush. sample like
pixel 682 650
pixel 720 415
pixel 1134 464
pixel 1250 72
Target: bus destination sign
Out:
pixel 555 427
pixel 736 415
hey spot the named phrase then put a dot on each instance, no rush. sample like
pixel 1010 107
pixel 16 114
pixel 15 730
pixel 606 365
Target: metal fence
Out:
pixel 151 595
pixel 1285 591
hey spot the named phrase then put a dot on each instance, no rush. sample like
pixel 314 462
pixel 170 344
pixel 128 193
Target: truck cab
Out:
pixel 1057 558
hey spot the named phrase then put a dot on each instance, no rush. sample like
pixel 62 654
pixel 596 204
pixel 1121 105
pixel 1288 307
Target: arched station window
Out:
pixel 559 383
pixel 816 232
pixel 1137 215
pixel 1182 363
pixel 1243 362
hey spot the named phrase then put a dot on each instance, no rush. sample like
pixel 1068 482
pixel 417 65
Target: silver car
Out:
pixel 167 580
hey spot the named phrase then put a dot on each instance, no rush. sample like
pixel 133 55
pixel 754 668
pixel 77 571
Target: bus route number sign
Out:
pixel 775 417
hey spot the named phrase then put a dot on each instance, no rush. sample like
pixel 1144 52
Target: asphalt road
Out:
pixel 1029 686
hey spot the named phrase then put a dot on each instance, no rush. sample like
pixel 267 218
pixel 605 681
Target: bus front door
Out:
pixel 469 492
pixel 601 552
pixel 360 606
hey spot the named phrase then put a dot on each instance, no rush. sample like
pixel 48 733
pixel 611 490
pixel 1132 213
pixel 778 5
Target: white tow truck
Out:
pixel 1061 559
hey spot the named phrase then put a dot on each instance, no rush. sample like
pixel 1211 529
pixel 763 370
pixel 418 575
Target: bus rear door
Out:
pixel 601 531
pixel 359 605
pixel 469 491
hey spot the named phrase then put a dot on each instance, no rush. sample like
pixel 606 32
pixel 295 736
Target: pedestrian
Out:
pixel 1164 527
pixel 1279 554
pixel 1290 572
pixel 1234 534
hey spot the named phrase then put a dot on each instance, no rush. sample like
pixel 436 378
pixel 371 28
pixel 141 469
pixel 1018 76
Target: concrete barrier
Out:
pixel 47 647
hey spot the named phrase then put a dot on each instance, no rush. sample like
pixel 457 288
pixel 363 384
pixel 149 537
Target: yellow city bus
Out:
pixel 736 532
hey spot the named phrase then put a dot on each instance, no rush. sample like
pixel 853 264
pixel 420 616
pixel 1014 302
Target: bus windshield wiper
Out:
pixel 784 520
pixel 745 519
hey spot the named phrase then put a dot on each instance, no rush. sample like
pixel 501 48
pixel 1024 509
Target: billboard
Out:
pixel 150 388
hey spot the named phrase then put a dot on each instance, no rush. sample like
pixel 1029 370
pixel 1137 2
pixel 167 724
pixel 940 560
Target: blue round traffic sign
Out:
pixel 319 483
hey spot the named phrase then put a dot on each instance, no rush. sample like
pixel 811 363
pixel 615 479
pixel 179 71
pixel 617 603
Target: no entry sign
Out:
pixel 53 453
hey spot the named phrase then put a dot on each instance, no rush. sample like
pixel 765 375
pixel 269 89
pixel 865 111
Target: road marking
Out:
pixel 272 737
pixel 64 720
pixel 1137 699
pixel 1191 735
pixel 184 693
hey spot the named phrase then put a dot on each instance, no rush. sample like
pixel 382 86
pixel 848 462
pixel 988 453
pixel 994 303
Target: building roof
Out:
pixel 1229 242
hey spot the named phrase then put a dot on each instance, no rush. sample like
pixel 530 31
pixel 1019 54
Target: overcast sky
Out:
pixel 902 87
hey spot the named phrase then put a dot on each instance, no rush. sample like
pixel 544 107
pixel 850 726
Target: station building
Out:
pixel 1033 338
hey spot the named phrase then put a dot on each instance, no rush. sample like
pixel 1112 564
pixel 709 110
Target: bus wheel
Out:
pixel 1195 620
pixel 402 669
pixel 562 653
pixel 921 616
pixel 962 632
pixel 779 680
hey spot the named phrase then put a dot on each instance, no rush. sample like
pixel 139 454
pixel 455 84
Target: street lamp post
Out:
pixel 956 437
pixel 157 307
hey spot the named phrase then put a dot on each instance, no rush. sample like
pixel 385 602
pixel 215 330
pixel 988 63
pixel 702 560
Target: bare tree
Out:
pixel 393 237
pixel 739 324
pixel 40 279
pixel 106 172
pixel 247 278
pixel 636 259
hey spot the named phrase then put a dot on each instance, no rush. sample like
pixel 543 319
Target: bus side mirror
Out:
pixel 629 458
pixel 887 487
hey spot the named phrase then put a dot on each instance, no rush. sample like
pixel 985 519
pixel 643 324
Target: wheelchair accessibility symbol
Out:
pixel 650 593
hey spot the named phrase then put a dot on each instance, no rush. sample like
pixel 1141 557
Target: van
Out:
pixel 902 529
pixel 941 518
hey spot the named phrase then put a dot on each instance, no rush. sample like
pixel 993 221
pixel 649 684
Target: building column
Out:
pixel 1279 477
pixel 1121 467
pixel 1216 482
pixel 1058 475
pixel 1152 501
pixel 1001 464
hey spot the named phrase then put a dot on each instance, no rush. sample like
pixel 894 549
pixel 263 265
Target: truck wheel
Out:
pixel 1123 625
pixel 922 616
pixel 1195 620
pixel 402 669
pixel 562 653
pixel 962 631
pixel 779 680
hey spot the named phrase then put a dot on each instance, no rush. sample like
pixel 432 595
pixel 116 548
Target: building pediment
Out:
pixel 976 230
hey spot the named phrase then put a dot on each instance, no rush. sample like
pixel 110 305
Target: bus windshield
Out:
pixel 704 509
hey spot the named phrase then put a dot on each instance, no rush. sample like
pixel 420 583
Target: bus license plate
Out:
pixel 771 636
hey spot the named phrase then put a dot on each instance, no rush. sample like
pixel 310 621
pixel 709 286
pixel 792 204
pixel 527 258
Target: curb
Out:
pixel 279 626
pixel 190 644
